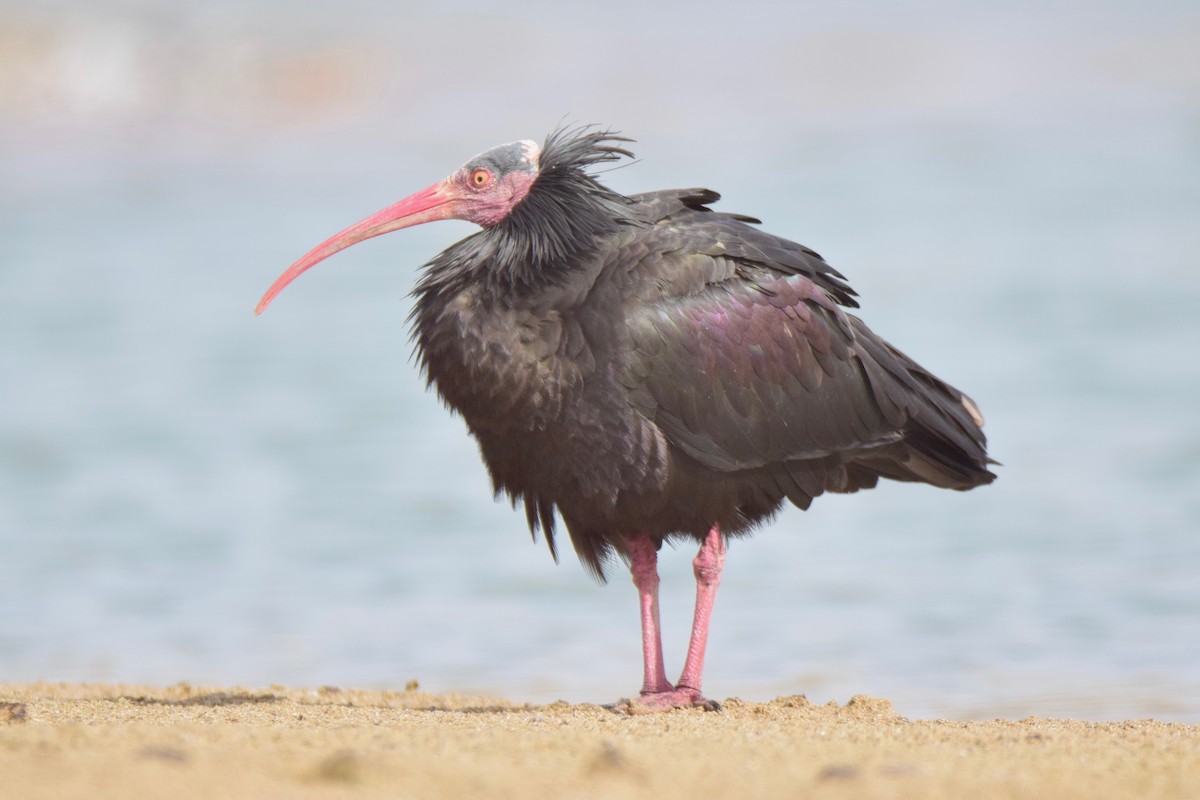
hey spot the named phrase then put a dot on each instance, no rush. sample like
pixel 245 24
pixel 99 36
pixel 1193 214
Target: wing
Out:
pixel 747 375
pixel 742 356
pixel 685 225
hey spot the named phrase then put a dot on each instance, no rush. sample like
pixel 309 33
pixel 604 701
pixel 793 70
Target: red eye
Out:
pixel 480 177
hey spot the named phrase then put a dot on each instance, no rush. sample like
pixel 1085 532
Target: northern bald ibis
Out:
pixel 651 370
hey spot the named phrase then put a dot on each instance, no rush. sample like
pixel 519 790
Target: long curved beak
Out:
pixel 431 203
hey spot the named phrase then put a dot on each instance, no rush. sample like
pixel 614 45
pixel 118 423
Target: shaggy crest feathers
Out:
pixel 566 209
pixel 580 149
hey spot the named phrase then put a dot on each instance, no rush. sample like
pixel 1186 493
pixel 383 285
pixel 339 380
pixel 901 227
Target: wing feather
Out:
pixel 742 356
pixel 739 379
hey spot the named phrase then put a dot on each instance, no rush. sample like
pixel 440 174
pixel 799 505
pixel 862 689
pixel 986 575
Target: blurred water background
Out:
pixel 190 493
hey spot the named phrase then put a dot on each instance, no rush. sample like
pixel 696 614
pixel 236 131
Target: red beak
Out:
pixel 432 203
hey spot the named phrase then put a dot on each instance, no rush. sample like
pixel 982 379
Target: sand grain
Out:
pixel 110 741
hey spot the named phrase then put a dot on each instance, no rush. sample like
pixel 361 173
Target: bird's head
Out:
pixel 543 225
pixel 484 190
pixel 489 186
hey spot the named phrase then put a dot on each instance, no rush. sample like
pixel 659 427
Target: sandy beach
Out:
pixel 102 741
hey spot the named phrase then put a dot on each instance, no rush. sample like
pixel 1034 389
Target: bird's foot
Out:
pixel 653 702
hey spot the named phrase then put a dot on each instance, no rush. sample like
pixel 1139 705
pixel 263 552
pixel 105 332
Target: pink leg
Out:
pixel 707 565
pixel 657 693
pixel 643 563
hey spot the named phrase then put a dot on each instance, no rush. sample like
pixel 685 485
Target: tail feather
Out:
pixel 943 441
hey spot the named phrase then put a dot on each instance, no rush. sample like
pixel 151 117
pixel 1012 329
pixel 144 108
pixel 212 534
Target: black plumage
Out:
pixel 648 369
pixel 646 364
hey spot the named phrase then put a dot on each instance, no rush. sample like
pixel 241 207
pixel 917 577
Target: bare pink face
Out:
pixel 492 183
pixel 484 191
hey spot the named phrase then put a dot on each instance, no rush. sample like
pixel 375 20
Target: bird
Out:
pixel 647 369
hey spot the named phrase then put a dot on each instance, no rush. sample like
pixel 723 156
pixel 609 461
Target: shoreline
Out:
pixel 64 740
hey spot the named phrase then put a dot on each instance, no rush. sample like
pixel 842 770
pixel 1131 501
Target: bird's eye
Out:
pixel 480 177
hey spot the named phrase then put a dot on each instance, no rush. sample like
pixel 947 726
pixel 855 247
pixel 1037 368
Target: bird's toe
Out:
pixel 665 701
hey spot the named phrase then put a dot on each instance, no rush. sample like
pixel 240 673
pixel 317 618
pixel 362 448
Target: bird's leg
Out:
pixel 657 693
pixel 707 565
pixel 643 563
